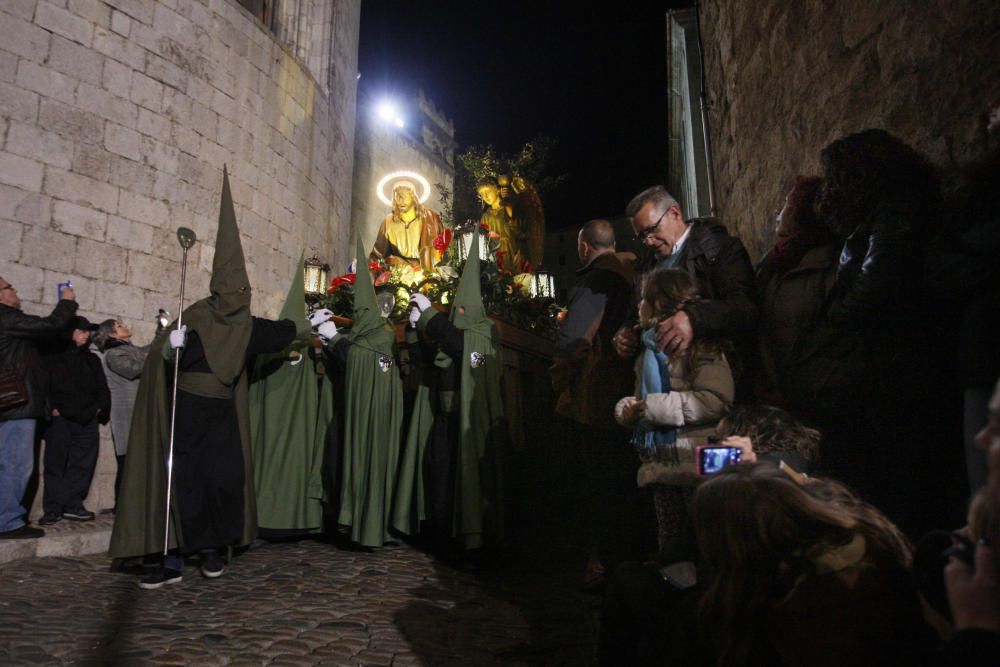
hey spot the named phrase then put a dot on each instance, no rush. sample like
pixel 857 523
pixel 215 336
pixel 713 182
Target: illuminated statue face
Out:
pixel 403 198
pixel 519 184
pixel 489 194
pixel 504 182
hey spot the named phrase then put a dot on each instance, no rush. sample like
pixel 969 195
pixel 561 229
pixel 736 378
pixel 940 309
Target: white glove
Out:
pixel 420 301
pixel 414 315
pixel 327 330
pixel 319 317
pixel 178 337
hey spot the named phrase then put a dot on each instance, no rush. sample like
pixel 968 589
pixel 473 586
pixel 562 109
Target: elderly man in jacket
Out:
pixel 18 331
pixel 718 262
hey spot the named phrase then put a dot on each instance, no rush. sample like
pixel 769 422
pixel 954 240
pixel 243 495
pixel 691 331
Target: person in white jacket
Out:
pixel 677 403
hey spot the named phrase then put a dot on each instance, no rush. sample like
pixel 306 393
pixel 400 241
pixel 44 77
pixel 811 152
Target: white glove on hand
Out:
pixel 327 330
pixel 178 337
pixel 319 317
pixel 414 315
pixel 420 301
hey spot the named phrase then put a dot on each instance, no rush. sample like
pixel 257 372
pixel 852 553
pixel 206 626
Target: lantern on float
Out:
pixel 543 284
pixel 464 235
pixel 314 276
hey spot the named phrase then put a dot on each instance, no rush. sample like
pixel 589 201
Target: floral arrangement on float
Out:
pixel 525 298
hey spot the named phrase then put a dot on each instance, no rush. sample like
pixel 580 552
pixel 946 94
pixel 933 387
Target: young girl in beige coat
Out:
pixel 677 404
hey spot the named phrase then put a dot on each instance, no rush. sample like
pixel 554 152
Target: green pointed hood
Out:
pixel 223 320
pixel 368 320
pixel 230 286
pixel 295 303
pixel 467 309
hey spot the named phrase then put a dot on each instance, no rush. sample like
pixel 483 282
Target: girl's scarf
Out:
pixel 652 442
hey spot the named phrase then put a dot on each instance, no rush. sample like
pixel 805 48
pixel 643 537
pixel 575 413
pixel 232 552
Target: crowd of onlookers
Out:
pixel 56 388
pixel 842 370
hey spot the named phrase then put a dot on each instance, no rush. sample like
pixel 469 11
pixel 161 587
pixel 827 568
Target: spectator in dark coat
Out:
pixel 879 196
pixel 590 378
pixel 717 261
pixel 80 401
pixel 965 272
pixel 18 334
pixel 793 279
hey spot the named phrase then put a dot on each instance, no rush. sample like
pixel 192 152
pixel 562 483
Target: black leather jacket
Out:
pixel 18 333
pixel 721 267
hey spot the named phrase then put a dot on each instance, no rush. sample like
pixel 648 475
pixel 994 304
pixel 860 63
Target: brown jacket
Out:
pixel 589 376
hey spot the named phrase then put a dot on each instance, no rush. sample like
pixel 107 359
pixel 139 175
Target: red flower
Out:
pixel 525 266
pixel 346 279
pixel 383 278
pixel 443 240
pixel 374 265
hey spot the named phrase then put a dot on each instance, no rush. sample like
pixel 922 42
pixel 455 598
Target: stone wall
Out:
pixel 116 119
pixel 786 78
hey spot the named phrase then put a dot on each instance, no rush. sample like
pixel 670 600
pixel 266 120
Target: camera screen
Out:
pixel 714 459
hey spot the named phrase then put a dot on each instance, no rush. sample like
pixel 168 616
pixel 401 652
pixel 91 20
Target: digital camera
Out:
pixel 713 458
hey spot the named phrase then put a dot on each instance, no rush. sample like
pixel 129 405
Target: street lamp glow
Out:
pixel 386 110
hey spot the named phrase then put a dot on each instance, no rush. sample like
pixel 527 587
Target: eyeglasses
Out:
pixel 648 231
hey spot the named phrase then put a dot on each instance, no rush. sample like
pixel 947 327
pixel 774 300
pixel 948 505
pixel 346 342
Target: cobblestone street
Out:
pixel 296 603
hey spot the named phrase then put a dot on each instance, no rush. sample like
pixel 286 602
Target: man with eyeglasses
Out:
pixel 18 333
pixel 718 262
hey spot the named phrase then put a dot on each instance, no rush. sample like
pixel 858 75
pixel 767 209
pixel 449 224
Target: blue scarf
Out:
pixel 651 442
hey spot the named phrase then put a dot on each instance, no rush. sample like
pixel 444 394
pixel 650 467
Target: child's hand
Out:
pixel 634 410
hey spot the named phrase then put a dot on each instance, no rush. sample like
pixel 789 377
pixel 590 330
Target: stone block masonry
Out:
pixel 116 118
pixel 786 78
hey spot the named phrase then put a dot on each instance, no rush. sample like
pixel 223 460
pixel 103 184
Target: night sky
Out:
pixel 594 80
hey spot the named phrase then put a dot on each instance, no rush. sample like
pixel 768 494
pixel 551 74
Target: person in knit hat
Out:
pixel 80 400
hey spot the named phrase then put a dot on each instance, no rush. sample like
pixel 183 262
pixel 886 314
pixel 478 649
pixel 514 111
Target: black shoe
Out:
pixel 211 565
pixel 161 578
pixel 78 515
pixel 49 518
pixel 25 532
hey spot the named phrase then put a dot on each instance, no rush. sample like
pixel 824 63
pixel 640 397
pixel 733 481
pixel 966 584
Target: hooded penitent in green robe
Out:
pixel 223 322
pixel 289 414
pixel 373 418
pixel 482 432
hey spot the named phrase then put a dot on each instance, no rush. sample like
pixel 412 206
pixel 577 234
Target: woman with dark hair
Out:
pixel 803 574
pixel 872 352
pixel 793 279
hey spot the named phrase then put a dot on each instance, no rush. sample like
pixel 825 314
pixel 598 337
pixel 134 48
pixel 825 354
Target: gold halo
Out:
pixel 425 187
